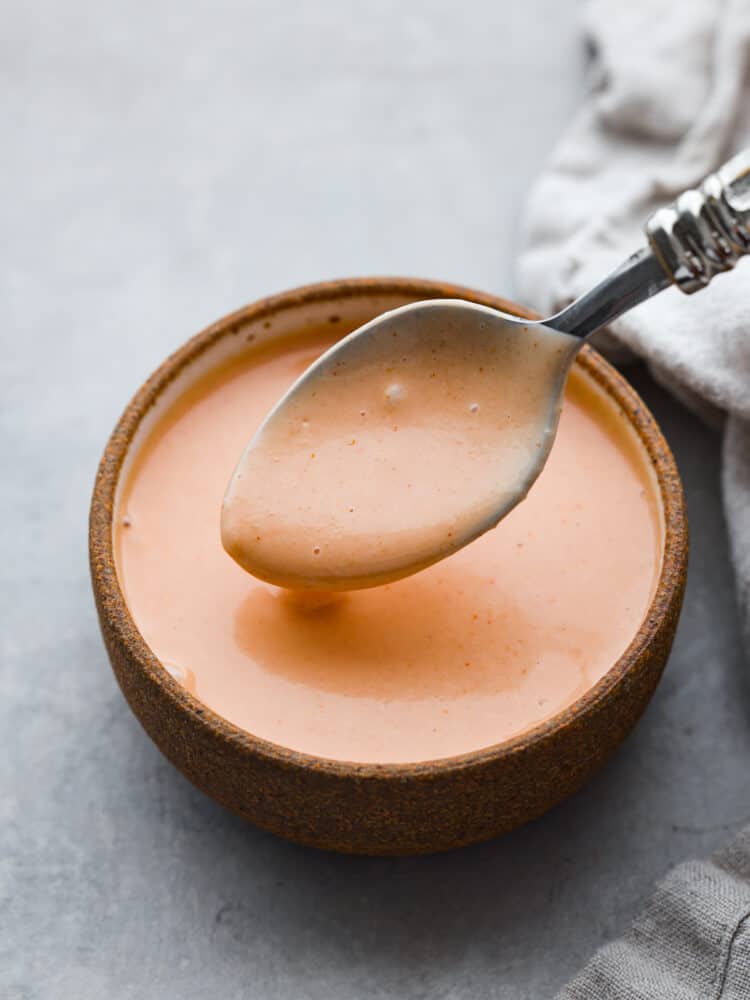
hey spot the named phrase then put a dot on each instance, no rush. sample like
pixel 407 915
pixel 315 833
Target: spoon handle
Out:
pixel 704 232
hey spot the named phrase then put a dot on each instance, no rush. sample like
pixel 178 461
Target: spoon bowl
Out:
pixel 434 420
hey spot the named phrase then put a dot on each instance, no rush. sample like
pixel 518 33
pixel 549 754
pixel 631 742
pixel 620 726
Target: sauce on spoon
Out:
pixel 390 456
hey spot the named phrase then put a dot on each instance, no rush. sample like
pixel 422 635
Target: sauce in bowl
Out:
pixel 485 644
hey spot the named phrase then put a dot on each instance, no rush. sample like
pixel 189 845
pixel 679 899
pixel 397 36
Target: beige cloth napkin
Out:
pixel 669 103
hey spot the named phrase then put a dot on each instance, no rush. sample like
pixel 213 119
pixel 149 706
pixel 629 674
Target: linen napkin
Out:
pixel 669 102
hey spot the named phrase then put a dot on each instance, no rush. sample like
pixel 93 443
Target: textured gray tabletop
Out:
pixel 163 163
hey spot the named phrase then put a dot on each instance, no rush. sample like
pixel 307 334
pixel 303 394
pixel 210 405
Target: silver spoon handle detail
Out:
pixel 704 232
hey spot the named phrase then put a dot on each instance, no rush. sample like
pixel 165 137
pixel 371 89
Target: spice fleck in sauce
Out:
pixel 481 646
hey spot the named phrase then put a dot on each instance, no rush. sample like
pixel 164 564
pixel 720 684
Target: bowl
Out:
pixel 381 809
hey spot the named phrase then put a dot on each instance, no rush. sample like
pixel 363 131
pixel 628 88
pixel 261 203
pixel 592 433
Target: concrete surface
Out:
pixel 162 163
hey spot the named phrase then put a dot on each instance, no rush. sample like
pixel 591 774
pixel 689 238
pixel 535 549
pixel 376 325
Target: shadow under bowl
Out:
pixel 376 808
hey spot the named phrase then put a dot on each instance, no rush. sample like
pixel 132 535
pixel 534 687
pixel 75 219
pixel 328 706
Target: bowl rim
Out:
pixel 112 602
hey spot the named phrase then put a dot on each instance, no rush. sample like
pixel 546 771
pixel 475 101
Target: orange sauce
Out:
pixel 481 646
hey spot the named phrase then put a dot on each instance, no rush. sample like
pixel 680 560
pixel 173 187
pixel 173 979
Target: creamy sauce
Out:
pixel 483 645
pixel 392 456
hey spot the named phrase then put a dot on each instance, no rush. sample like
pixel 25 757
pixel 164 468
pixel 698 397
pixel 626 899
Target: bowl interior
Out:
pixel 233 337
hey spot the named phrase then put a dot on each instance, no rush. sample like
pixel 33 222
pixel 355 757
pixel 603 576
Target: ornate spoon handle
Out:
pixel 705 231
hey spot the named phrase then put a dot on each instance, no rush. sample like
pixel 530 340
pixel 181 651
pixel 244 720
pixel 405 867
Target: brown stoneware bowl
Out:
pixel 376 808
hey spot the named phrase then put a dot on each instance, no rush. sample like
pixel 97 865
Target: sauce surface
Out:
pixel 397 450
pixel 485 644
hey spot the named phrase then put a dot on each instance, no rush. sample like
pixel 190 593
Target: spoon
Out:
pixel 422 429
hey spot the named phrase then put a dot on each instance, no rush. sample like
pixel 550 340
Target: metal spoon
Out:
pixel 704 232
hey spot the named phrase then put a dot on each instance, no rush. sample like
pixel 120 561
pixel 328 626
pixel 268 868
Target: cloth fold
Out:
pixel 669 102
pixel 691 941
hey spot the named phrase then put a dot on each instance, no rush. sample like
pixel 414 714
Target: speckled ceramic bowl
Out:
pixel 375 808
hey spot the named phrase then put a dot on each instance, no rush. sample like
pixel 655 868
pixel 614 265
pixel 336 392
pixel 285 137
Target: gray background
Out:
pixel 163 163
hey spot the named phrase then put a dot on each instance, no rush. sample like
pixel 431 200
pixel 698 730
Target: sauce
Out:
pixel 418 438
pixel 481 646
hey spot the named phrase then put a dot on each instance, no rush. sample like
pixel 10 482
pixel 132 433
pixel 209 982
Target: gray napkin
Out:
pixel 669 102
pixel 691 942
